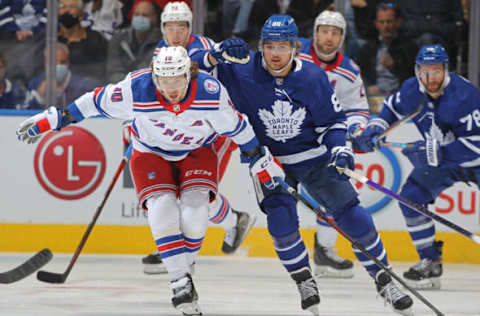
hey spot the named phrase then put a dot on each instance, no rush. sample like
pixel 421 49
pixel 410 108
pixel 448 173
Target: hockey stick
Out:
pixel 28 267
pixel 395 145
pixel 414 206
pixel 52 277
pixel 356 244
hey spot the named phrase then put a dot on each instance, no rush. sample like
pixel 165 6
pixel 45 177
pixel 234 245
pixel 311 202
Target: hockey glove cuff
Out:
pixel 231 50
pixel 266 167
pixel 341 157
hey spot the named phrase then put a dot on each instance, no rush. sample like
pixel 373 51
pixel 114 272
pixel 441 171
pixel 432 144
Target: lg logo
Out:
pixel 70 164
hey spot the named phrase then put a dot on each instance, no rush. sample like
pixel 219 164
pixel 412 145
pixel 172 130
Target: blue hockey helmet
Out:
pixel 279 28
pixel 431 54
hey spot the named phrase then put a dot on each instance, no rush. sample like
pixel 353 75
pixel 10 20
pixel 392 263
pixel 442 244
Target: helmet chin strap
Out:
pixel 264 63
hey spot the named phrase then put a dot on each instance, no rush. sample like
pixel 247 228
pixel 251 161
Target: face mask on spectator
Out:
pixel 61 72
pixel 68 20
pixel 140 23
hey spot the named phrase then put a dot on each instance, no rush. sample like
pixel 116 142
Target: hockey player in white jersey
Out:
pixel 177 113
pixel 176 26
pixel 344 76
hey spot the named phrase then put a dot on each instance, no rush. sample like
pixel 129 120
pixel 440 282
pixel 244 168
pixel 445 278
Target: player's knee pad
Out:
pixel 416 193
pixel 286 241
pixel 194 212
pixel 354 220
pixel 163 214
pixel 282 218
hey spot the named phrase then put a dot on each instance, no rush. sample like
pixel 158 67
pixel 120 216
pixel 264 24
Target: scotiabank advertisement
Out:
pixel 62 179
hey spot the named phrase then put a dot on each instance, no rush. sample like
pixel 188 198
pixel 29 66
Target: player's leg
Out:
pixel 157 188
pixel 282 224
pixel 327 264
pixel 340 199
pixel 236 223
pixel 422 187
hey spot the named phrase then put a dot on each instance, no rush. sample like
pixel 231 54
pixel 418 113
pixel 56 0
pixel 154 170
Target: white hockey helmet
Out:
pixel 176 11
pixel 170 62
pixel 332 18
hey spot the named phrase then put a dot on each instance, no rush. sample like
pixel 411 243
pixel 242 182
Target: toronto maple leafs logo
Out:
pixel 281 123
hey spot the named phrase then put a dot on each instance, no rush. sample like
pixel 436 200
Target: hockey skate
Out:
pixel 152 264
pixel 400 302
pixel 235 236
pixel 185 296
pixel 327 264
pixel 307 286
pixel 426 274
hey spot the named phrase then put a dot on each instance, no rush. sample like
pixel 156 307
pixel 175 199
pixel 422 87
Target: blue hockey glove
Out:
pixel 31 129
pixel 367 140
pixel 424 153
pixel 354 130
pixel 266 167
pixel 231 50
pixel 341 157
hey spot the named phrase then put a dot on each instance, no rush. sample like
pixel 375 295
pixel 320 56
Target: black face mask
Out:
pixel 68 20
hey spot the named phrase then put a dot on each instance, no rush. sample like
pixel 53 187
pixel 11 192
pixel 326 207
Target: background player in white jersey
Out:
pixel 449 123
pixel 176 26
pixel 177 113
pixel 344 75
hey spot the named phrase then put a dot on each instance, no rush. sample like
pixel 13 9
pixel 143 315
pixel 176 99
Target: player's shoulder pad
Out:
pixel 207 86
pixel 349 65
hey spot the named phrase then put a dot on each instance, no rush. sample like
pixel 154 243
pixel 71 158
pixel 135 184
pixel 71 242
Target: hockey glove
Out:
pixel 424 153
pixel 266 167
pixel 354 130
pixel 367 140
pixel 231 50
pixel 31 129
pixel 341 157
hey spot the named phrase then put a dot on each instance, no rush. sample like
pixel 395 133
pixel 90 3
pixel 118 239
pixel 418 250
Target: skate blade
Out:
pixel 154 268
pixel 327 272
pixel 405 312
pixel 190 309
pixel 251 222
pixel 426 284
pixel 314 310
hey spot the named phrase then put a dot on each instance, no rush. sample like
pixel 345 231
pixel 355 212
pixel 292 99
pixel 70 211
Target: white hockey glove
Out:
pixel 31 129
pixel 266 168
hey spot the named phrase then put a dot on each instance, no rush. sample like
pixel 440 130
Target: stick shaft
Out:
pixel 414 206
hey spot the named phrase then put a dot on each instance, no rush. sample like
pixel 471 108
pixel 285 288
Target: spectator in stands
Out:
pixel 161 4
pixel 364 12
pixel 303 11
pixel 103 16
pixel 388 60
pixel 21 19
pixel 88 48
pixel 11 96
pixel 69 85
pixel 434 21
pixel 132 48
pixel 235 17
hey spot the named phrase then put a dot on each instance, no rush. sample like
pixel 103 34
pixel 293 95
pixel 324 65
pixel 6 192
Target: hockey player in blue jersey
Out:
pixel 296 114
pixel 176 26
pixel 177 113
pixel 329 32
pixel 449 152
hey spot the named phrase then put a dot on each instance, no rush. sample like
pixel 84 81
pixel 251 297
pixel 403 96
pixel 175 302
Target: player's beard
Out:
pixel 324 50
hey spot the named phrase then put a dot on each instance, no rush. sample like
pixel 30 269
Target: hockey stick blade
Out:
pixel 28 267
pixel 51 277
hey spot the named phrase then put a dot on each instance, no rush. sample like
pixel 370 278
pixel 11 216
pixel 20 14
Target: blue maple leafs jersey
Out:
pixel 453 119
pixel 298 117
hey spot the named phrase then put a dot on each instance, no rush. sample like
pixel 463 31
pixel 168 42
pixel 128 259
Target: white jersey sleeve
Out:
pixel 227 121
pixel 112 101
pixel 353 99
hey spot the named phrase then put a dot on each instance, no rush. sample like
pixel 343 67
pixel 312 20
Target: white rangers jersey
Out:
pixel 344 76
pixel 170 130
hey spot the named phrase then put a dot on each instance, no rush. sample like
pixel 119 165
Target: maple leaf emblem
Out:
pixel 281 124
